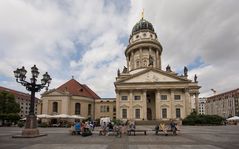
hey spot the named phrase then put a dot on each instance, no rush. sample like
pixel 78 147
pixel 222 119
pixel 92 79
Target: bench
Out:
pixel 136 130
pixel 168 130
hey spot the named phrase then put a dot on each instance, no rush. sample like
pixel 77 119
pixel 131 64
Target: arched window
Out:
pixel 55 107
pixel 89 109
pixel 77 108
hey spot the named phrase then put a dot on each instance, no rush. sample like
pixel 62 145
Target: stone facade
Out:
pixel 146 92
pixel 224 104
pixel 105 107
pixel 71 98
pixel 202 106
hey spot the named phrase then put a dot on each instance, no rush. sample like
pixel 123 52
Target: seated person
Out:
pixel 103 129
pixel 110 126
pixel 163 128
pixel 77 128
pixel 156 129
pixel 173 127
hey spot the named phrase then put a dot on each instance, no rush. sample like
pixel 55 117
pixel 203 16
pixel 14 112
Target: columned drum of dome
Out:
pixel 143 45
pixel 144 91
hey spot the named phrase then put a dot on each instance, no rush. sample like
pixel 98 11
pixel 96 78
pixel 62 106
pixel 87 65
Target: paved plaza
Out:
pixel 196 137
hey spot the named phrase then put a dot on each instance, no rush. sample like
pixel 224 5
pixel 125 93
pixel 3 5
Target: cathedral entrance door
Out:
pixel 149 114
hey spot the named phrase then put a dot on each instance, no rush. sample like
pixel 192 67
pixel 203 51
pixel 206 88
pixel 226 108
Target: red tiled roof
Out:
pixel 17 93
pixel 77 89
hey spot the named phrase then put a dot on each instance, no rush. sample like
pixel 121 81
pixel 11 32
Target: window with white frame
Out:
pixel 177 97
pixel 124 113
pixel 164 113
pixel 136 97
pixel 104 108
pixel 137 113
pixel 164 97
pixel 178 113
pixel 124 97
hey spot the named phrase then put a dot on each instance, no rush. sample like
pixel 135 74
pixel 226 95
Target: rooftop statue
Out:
pixel 185 71
pixel 151 60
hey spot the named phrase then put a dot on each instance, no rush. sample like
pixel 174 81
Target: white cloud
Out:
pixel 84 39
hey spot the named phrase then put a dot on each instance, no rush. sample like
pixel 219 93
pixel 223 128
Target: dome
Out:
pixel 142 25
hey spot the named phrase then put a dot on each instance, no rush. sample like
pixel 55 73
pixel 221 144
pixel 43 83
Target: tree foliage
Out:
pixel 9 108
pixel 201 119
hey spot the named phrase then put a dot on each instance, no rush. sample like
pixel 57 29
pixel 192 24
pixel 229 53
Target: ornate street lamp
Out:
pixel 31 121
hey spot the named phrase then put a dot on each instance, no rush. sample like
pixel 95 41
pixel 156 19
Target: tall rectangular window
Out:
pixel 163 97
pixel 137 113
pixel 89 109
pixel 136 97
pixel 164 113
pixel 124 113
pixel 114 109
pixel 177 97
pixel 124 97
pixel 178 113
pixel 104 108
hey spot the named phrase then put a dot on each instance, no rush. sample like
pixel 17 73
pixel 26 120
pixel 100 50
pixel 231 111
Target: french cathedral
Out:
pixel 144 91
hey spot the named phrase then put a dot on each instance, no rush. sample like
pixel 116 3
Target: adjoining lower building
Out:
pixel 105 107
pixel 71 98
pixel 144 91
pixel 225 104
pixel 23 99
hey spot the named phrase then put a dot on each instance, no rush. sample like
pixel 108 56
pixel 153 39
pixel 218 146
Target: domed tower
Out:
pixel 146 92
pixel 144 49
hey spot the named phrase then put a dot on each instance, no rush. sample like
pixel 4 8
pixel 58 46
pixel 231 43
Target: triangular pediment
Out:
pixel 152 75
pixel 54 92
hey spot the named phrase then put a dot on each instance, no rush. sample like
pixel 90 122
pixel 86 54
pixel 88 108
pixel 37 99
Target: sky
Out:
pixel 87 39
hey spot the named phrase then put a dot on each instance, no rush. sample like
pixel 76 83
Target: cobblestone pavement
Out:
pixel 196 137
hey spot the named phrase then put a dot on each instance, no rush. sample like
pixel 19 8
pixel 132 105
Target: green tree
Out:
pixel 9 108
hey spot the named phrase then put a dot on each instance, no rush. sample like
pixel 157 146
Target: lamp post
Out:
pixel 32 86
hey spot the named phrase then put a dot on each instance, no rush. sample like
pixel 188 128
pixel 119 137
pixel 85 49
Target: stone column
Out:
pixel 131 105
pixel 157 105
pixel 171 103
pixel 187 103
pixel 144 104
pixel 127 59
pixel 118 104
pixel 157 59
pixel 132 60
pixel 196 102
pixel 140 57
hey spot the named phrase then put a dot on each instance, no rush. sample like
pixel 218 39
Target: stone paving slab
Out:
pixel 197 137
pixel 66 146
pixel 172 147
